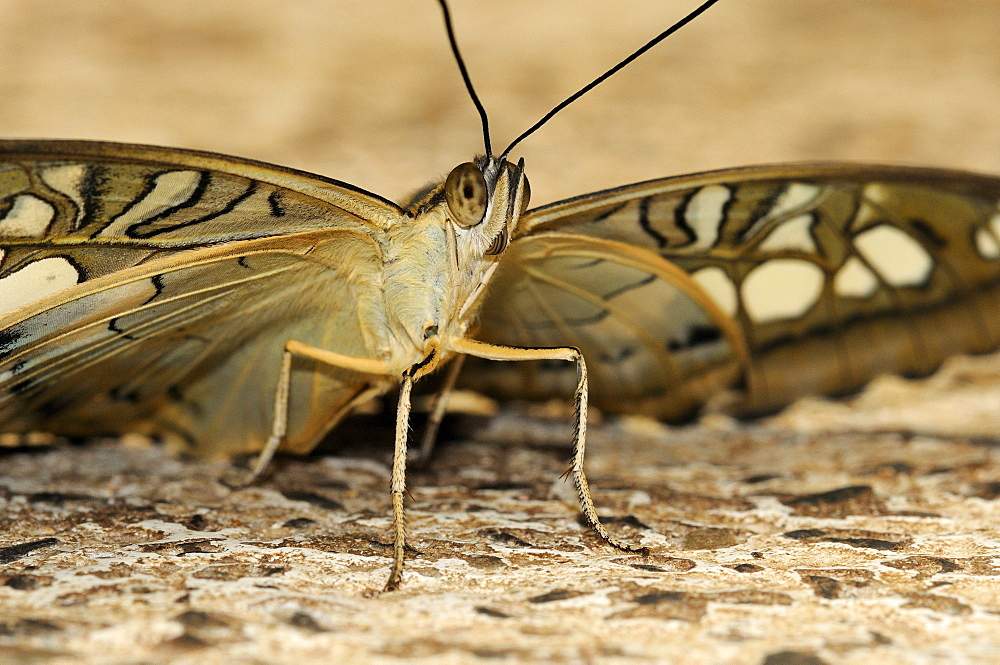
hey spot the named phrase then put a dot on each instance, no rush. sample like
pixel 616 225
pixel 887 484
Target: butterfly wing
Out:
pixel 153 289
pixel 643 326
pixel 821 276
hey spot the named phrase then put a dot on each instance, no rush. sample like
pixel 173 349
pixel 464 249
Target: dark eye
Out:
pixel 465 191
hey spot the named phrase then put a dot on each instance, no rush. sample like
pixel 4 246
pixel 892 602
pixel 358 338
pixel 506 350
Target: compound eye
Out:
pixel 465 192
pixel 525 195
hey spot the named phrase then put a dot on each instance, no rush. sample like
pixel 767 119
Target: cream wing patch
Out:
pixel 719 287
pixel 899 259
pixel 988 239
pixel 35 282
pixel 793 234
pixel 67 180
pixel 987 244
pixel 795 197
pixel 705 213
pixel 29 217
pixel 171 189
pixel 781 289
pixel 854 280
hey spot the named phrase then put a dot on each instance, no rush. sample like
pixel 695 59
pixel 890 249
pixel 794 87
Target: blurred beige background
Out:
pixel 367 92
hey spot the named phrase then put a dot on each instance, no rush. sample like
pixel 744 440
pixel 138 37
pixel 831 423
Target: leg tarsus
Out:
pixel 571 354
pixel 397 484
pixel 279 423
pixel 576 469
pixel 422 455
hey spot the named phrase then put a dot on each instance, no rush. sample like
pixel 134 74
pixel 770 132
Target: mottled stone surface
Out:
pixel 848 539
pixel 857 531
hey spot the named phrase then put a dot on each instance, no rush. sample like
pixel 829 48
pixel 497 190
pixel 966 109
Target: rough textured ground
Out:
pixel 863 531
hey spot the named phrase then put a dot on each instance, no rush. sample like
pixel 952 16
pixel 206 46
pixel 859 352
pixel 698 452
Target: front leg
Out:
pixel 397 485
pixel 361 366
pixel 494 352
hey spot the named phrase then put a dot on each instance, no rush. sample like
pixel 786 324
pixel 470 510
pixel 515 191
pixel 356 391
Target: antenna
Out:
pixel 600 79
pixel 465 77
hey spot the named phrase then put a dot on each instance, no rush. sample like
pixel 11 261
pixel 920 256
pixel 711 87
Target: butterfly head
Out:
pixel 442 259
pixel 485 200
pixel 483 203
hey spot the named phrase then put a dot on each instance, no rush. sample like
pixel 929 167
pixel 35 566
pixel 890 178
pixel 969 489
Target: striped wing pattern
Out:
pixel 151 289
pixel 821 276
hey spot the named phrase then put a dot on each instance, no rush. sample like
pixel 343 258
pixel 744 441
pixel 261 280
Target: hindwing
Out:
pixel 829 275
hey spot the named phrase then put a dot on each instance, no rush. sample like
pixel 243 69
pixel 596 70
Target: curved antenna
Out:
pixel 608 74
pixel 465 77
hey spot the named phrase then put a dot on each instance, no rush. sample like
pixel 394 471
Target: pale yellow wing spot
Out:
pixel 66 179
pixel 987 244
pixel 170 190
pixel 718 285
pixel 899 259
pixel 705 213
pixel 797 196
pixel 29 217
pixel 781 289
pixel 35 282
pixel 855 280
pixel 795 202
pixel 793 234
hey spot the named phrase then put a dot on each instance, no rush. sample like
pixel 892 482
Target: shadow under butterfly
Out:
pixel 246 307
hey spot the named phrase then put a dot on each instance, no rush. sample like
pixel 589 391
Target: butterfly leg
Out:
pixel 279 425
pixel 398 481
pixel 437 412
pixel 397 485
pixel 494 352
pixel 280 421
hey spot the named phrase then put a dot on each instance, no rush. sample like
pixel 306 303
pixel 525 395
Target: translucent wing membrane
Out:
pixel 829 274
pixel 154 289
pixel 611 301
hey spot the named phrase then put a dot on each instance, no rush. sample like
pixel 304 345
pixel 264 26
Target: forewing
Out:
pixel 72 211
pixel 831 274
pixel 148 289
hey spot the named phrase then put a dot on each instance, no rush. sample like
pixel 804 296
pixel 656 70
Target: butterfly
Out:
pixel 245 307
